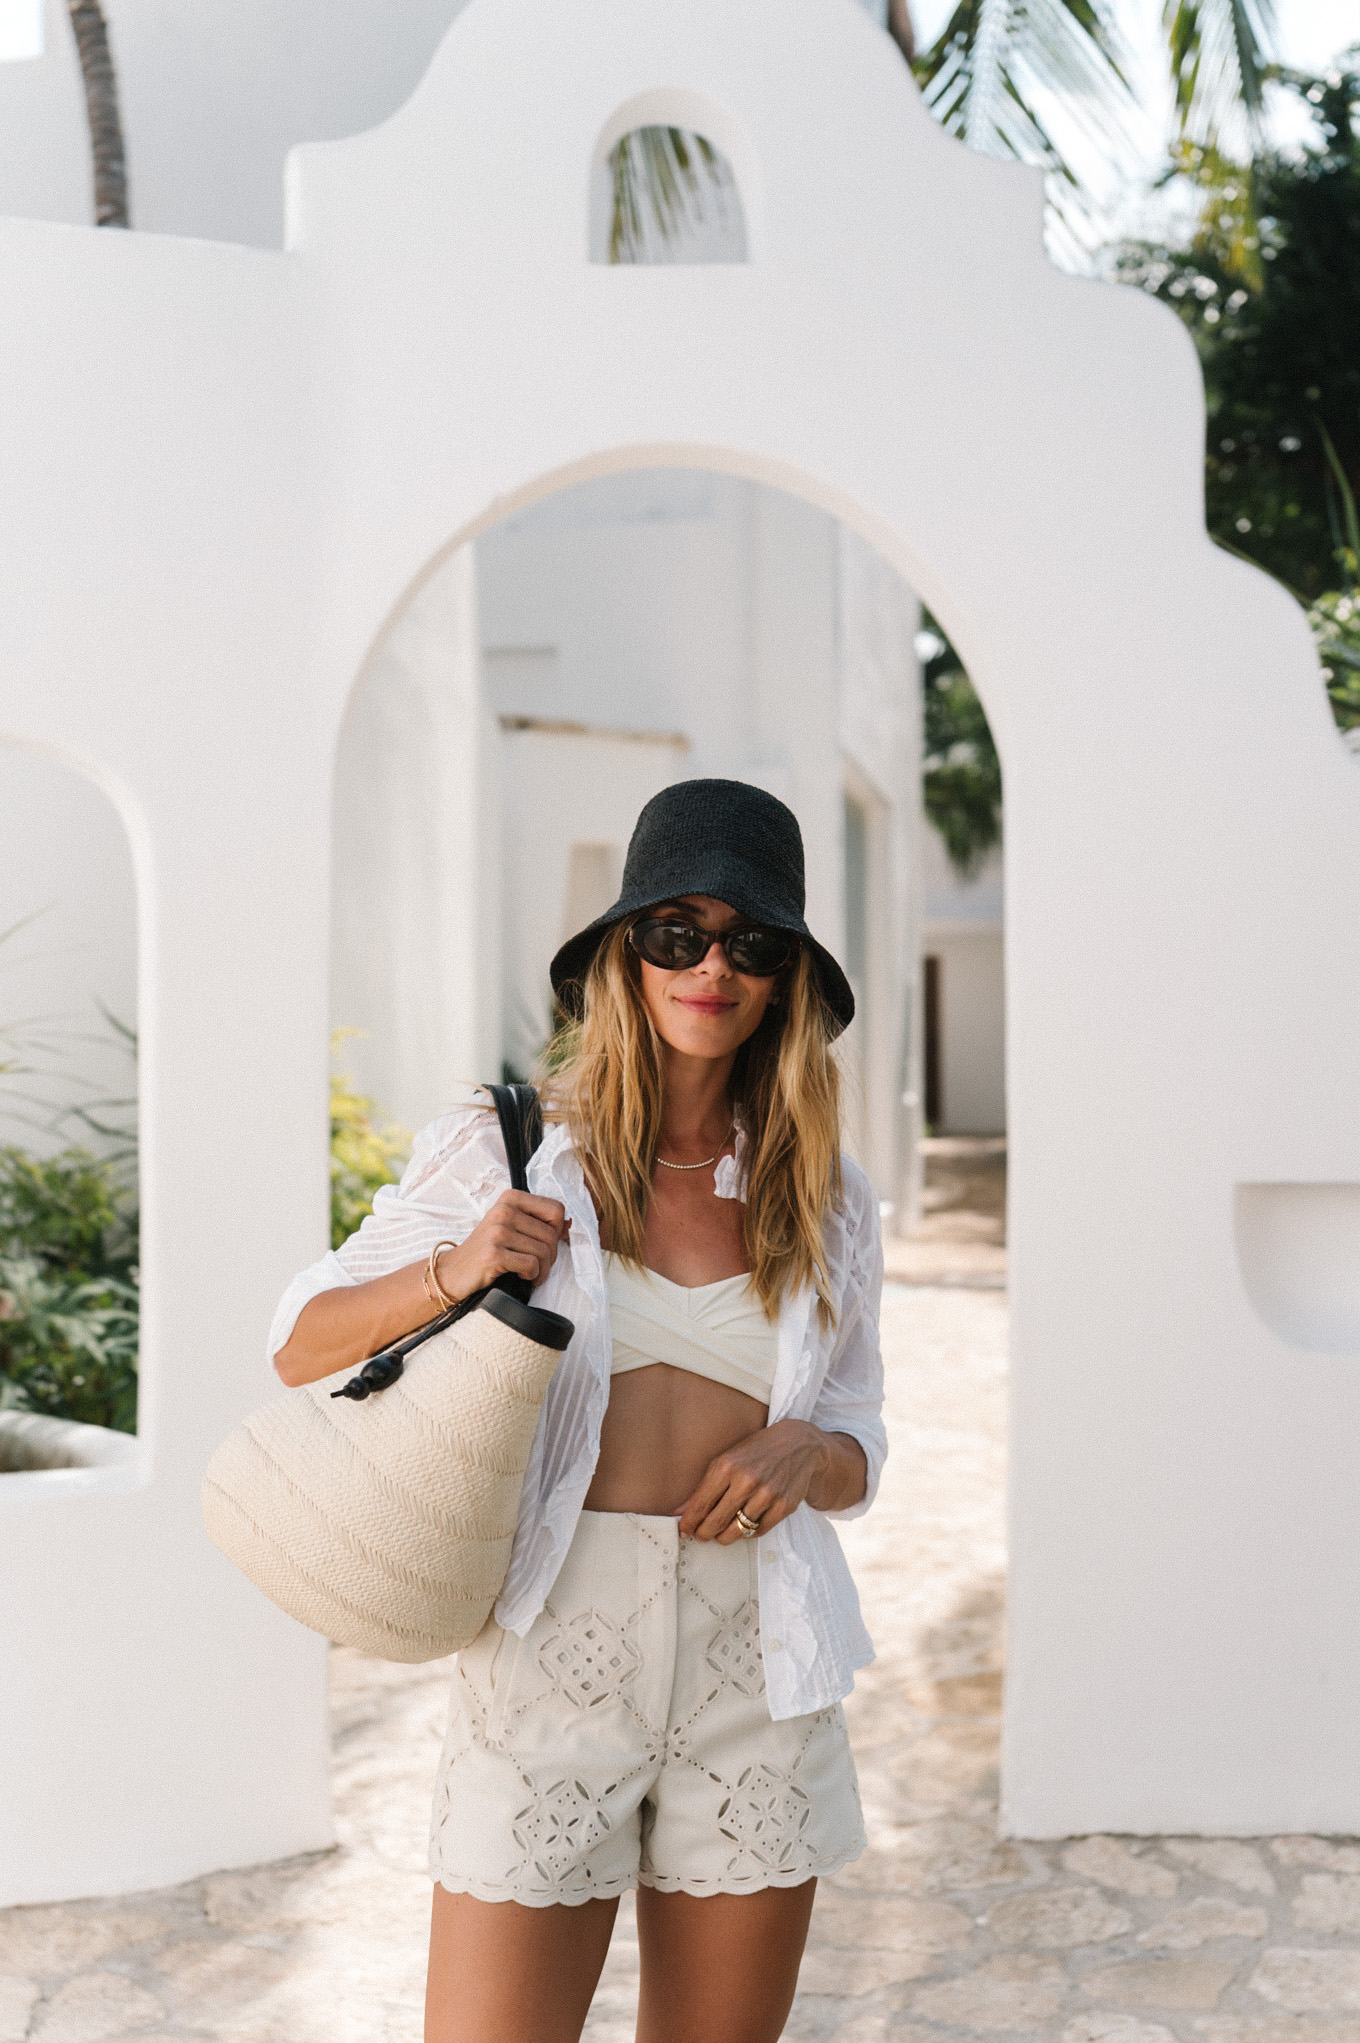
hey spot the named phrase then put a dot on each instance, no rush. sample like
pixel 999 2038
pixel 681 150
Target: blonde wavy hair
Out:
pixel 602 1075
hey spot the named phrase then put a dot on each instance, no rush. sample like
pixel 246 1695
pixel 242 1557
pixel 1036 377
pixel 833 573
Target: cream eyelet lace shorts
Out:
pixel 627 1739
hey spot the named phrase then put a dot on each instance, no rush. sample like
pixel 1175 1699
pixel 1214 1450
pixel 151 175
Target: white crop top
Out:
pixel 716 1330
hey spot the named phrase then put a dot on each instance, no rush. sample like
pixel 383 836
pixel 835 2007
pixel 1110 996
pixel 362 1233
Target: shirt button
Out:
pixel 774 1645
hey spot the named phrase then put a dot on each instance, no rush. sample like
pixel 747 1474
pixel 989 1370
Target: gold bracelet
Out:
pixel 430 1283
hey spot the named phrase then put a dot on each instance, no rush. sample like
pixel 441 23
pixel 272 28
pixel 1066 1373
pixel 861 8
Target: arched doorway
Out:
pixel 539 687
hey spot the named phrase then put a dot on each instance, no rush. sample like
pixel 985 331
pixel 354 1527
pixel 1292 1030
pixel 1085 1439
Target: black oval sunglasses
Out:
pixel 678 946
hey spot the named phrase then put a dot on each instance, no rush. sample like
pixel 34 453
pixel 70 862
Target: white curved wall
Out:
pixel 416 916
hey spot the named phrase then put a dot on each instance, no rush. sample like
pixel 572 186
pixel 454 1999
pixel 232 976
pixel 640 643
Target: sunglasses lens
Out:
pixel 675 946
pixel 760 952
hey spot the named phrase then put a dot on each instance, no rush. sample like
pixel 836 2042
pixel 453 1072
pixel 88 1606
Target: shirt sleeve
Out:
pixel 851 1398
pixel 457 1170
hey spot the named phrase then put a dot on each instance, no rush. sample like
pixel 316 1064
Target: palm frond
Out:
pixel 999 66
pixel 1220 53
pixel 667 184
pixel 996 62
pixel 1345 518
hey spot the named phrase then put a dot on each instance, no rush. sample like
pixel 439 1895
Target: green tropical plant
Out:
pixel 68 1235
pixel 1282 372
pixel 111 1118
pixel 365 1155
pixel 995 63
pixel 1218 53
pixel 961 770
pixel 1335 622
pixel 68 1288
pixel 662 180
pixel 68 1343
pixel 69 1295
pixel 72 1209
pixel 1281 365
pixel 987 78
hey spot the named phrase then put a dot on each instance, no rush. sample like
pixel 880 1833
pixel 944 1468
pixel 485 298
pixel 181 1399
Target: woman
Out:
pixel 656 1702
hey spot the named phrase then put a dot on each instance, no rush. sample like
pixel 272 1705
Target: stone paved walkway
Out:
pixel 938 1935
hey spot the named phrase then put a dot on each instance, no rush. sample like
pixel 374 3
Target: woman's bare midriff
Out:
pixel 662 1429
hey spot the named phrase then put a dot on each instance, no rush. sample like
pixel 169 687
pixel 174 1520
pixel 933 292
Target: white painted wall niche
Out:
pixel 1299 1248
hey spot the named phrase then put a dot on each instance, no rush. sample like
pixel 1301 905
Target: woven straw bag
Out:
pixel 382 1514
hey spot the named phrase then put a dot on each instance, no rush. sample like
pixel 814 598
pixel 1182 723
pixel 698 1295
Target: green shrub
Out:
pixel 68 1263
pixel 68 1343
pixel 961 773
pixel 1335 619
pixel 364 1156
pixel 70 1209
pixel 68 1288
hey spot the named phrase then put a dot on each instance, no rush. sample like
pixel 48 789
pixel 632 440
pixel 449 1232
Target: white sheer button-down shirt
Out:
pixel 812 1634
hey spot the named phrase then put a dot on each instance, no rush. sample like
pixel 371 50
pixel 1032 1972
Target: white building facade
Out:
pixel 230 472
pixel 963 993
pixel 643 629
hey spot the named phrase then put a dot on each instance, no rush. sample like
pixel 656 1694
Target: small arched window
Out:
pixel 666 195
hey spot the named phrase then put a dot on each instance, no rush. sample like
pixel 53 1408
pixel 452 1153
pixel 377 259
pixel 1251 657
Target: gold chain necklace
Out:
pixel 698 1166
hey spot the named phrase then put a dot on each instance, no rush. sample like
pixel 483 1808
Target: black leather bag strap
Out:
pixel 521 1118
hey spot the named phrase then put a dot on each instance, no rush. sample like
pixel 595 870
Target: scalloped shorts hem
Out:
pixel 627 1741
pixel 673 1883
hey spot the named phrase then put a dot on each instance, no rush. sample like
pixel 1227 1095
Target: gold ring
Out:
pixel 749 1526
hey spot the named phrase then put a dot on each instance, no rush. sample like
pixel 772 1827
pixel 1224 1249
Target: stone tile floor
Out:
pixel 961 1236
pixel 940 1934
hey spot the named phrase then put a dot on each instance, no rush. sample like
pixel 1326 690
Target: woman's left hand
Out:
pixel 769 1474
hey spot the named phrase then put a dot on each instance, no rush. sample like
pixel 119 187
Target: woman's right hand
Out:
pixel 518 1237
pixel 341 1327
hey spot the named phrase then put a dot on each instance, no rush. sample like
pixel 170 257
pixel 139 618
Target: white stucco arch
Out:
pixel 789 658
pixel 721 459
pixel 226 470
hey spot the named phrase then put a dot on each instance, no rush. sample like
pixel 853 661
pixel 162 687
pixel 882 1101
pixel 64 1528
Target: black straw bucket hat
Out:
pixel 725 839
